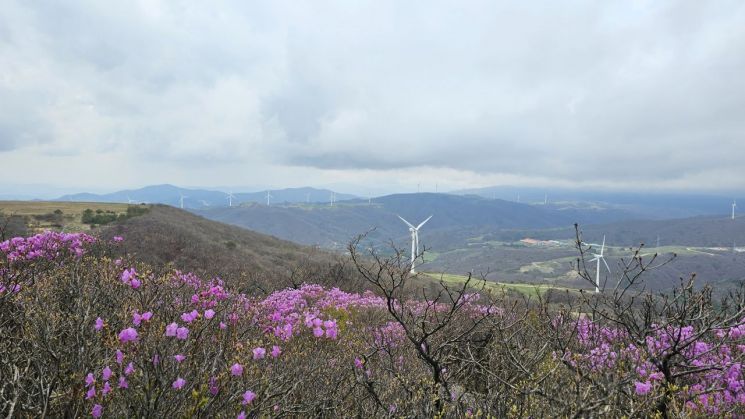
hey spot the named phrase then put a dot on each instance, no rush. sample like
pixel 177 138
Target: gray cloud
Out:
pixel 620 92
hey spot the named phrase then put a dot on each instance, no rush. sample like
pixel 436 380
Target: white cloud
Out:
pixel 288 93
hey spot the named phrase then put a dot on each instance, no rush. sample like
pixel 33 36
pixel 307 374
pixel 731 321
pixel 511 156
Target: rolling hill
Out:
pixel 167 235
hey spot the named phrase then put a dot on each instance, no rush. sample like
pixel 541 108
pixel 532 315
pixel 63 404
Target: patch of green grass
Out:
pixel 530 290
pixel 71 212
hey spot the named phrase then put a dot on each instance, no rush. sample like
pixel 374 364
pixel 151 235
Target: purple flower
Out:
pixel 106 373
pixel 182 333
pixel 642 388
pixel 89 379
pixel 156 359
pixel 128 335
pixel 106 388
pixel 135 283
pixel 236 369
pixel 119 357
pixel 117 239
pixel 358 363
pixel 99 324
pixel 187 317
pixel 171 329
pixel 179 358
pixel 146 316
pixel 214 389
pixel 97 411
pixel 259 353
pixel 179 383
pixel 317 332
pixel 208 314
pixel 91 393
pixel 241 415
pixel 123 382
pixel 276 351
pixel 248 397
pixel 223 325
pixel 129 370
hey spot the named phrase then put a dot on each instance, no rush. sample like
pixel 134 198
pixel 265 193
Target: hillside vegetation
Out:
pixel 89 333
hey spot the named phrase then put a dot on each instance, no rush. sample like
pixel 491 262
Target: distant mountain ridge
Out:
pixel 204 198
pixel 333 226
pixel 646 205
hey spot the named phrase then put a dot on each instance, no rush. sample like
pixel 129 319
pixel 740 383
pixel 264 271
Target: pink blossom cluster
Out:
pixel 49 245
pixel 711 375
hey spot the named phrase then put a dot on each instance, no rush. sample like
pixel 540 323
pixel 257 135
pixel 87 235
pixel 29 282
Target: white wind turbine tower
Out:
pixel 181 199
pixel 230 198
pixel 414 240
pixel 333 198
pixel 268 196
pixel 734 205
pixel 129 201
pixel 598 258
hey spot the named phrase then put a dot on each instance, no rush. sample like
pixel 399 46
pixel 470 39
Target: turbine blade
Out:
pixel 423 222
pixel 407 223
pixel 606 265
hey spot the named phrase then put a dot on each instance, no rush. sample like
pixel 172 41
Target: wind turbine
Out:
pixel 545 199
pixel 268 196
pixel 333 198
pixel 598 258
pixel 414 239
pixel 129 201
pixel 181 199
pixel 734 205
pixel 230 198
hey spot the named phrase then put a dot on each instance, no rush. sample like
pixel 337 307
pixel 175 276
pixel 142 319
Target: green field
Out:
pixel 529 290
pixel 70 219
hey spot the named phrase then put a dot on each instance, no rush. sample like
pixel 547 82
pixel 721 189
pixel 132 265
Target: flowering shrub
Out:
pixel 87 334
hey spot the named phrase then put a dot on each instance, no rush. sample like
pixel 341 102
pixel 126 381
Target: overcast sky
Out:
pixel 384 95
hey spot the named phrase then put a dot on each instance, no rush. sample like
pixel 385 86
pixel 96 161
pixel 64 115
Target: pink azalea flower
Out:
pixel 248 397
pixel 276 351
pixel 106 373
pixel 171 329
pixel 642 388
pixel 259 353
pixel 97 411
pixel 182 333
pixel 179 358
pixel 128 335
pixel 214 389
pixel 129 370
pixel 331 333
pixel 99 324
pixel 208 314
pixel 236 369
pixel 179 383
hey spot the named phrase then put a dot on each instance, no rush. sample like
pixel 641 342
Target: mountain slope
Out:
pixel 189 242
